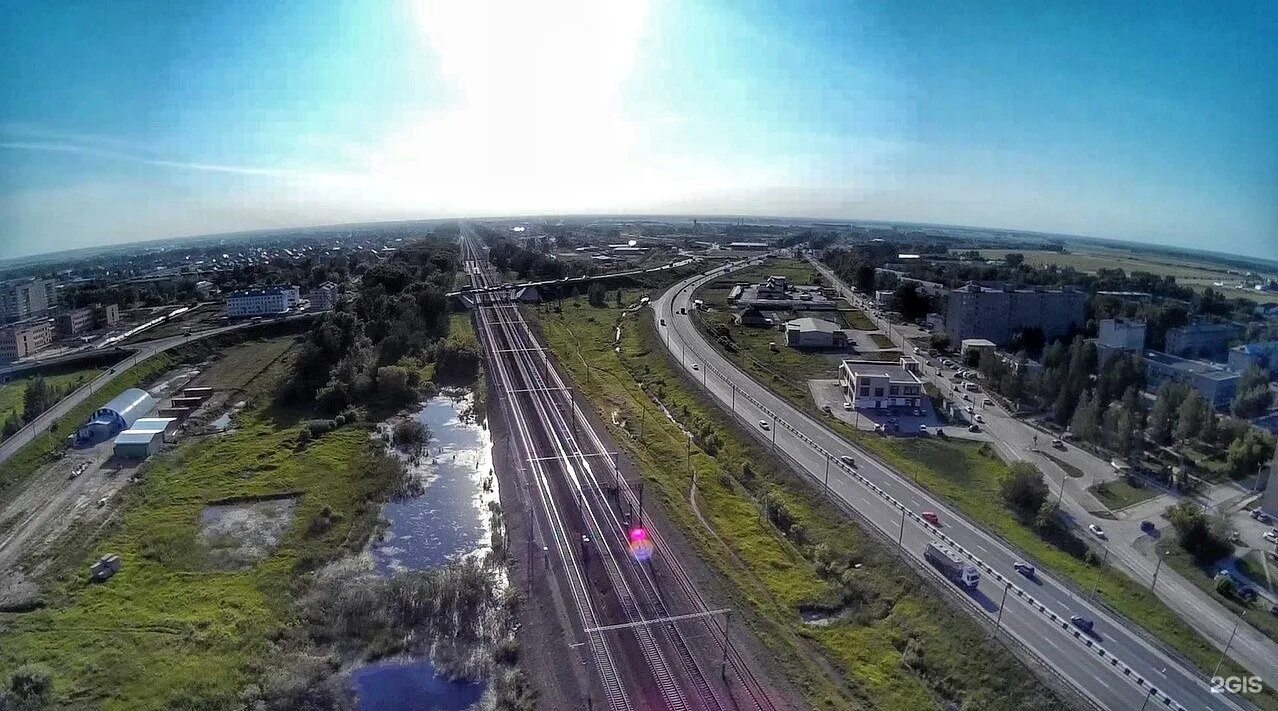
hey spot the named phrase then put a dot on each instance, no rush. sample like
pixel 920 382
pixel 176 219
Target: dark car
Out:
pixel 1248 594
pixel 1082 623
pixel 973 428
pixel 1148 526
pixel 1025 569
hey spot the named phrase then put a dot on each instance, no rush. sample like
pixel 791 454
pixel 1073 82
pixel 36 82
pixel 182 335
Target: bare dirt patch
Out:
pixel 236 535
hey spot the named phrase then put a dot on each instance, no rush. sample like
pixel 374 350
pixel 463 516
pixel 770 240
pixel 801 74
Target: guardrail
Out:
pixel 1084 640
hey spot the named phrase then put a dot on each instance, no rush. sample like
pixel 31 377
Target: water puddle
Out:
pixel 411 686
pixel 450 518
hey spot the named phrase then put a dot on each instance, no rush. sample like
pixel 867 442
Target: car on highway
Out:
pixel 1082 623
pixel 847 460
pixel 663 322
pixel 696 367
pixel 826 409
pixel 987 402
pixel 1148 526
pixel 847 406
pixel 923 429
pixel 1025 569
pixel 931 517
pixel 763 425
pixel 969 408
pixel 1271 536
pixel 1097 531
pixel 978 418
pixel 1058 444
pixel 973 428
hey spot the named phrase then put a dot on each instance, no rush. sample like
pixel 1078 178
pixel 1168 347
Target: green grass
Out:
pixel 1119 494
pixel 1070 469
pixel 882 341
pixel 11 401
pixel 968 476
pixel 1257 613
pixel 166 632
pixel 1264 573
pixel 855 662
pixel 40 450
pixel 715 293
pixel 861 322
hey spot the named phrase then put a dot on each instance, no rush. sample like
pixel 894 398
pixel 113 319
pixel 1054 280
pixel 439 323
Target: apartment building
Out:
pixel 1213 381
pixel 259 302
pixel 24 338
pixel 22 299
pixel 1205 340
pixel 75 321
pixel 324 297
pixel 996 311
pixel 1262 355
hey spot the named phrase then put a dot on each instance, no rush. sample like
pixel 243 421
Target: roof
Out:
pixel 812 324
pixel 893 372
pixel 130 404
pixel 977 342
pixel 136 437
pixel 1191 367
pixel 270 291
pixel 152 424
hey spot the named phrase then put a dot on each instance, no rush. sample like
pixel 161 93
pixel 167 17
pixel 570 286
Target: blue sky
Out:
pixel 122 121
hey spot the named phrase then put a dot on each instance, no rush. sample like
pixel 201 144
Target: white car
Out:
pixel 847 405
pixel 763 424
pixel 980 419
pixel 696 367
pixel 1097 531
pixel 1271 537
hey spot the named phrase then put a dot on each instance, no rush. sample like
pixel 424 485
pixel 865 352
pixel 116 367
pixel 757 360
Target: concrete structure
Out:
pixel 1202 340
pixel 776 293
pixel 106 315
pixel 21 339
pixel 204 289
pixel 324 297
pixel 748 246
pixel 814 333
pixel 1261 355
pixel 22 299
pixel 74 321
pixel 1269 502
pixel 177 413
pixel 137 444
pixel 106 566
pixel 1214 382
pixel 166 426
pixel 118 415
pixel 1121 334
pixel 202 393
pixel 259 302
pixel 980 345
pixel 876 385
pixel 995 312
pixel 191 402
pixel 751 316
pixel 528 295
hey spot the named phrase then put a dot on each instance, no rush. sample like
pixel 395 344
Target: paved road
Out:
pixel 1016 439
pixel 144 350
pixel 874 491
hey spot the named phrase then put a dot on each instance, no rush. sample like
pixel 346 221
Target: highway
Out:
pixel 1116 668
pixel 645 640
pixel 1016 439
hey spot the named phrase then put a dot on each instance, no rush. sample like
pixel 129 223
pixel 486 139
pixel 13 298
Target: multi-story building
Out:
pixel 75 321
pixel 21 339
pixel 106 315
pixel 324 296
pixel 258 302
pixel 996 311
pixel 1213 381
pixel 876 385
pixel 1202 340
pixel 1262 355
pixel 1120 335
pixel 22 299
pixel 814 333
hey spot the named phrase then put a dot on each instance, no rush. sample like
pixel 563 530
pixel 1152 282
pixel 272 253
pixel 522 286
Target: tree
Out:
pixel 1203 538
pixel 1163 417
pixel 1014 259
pixel 1024 490
pixel 397 384
pixel 1087 416
pixel 37 396
pixel 30 688
pixel 1190 417
pixel 1248 452
pixel 410 435
pixel 912 302
pixel 1254 396
pixel 597 295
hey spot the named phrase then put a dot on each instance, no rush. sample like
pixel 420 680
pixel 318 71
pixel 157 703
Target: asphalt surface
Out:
pixel 1016 439
pixel 1115 667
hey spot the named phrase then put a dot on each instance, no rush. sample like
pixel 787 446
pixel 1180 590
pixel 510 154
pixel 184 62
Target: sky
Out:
pixel 129 120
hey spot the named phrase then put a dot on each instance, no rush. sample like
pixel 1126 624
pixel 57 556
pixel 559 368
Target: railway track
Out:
pixel 587 529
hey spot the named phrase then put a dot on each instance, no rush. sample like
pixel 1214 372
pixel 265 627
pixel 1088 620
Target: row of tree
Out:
pixel 38 395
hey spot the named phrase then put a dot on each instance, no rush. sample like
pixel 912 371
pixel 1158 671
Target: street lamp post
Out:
pixel 1230 642
pixel 774 431
pixel 1146 701
pixel 900 534
pixel 1096 583
pixel 1001 605
pixel 827 472
pixel 1154 582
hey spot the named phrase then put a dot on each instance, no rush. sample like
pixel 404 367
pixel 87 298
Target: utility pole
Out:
pixel 827 472
pixel 1154 582
pixel 734 396
pixel 774 431
pixel 1227 644
pixel 723 665
pixel 1001 605
pixel 1145 703
pixel 1061 494
pixel 900 535
pixel 1100 567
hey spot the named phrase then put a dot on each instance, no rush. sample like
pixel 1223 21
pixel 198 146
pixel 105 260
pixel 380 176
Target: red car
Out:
pixel 931 517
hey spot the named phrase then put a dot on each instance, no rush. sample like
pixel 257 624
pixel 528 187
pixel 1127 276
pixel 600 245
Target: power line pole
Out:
pixel 1230 642
pixel 1001 605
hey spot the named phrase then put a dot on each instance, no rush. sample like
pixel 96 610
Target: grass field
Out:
pixel 11 393
pixel 797 271
pixel 1196 276
pixel 1262 572
pixel 166 632
pixel 1257 614
pixel 858 661
pixel 968 476
pixel 1070 469
pixel 882 341
pixel 1119 494
pixel 861 322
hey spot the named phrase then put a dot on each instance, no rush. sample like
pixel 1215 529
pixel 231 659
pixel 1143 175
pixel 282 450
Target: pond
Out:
pixel 411 686
pixel 450 519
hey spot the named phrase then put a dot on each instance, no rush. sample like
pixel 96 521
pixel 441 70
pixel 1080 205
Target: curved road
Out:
pixel 1116 668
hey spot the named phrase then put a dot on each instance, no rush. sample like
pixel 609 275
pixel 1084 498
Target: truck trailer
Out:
pixel 949 562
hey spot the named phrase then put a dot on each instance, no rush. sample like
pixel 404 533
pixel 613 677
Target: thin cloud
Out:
pixel 75 149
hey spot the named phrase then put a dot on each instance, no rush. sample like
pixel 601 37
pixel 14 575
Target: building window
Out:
pixel 878 392
pixel 865 391
pixel 894 390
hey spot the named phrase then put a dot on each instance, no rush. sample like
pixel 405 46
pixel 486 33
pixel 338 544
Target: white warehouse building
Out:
pixel 259 302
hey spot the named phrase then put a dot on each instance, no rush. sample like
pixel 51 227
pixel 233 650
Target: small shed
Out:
pixel 106 566
pixel 137 444
pixel 117 415
pixel 191 402
pixel 164 425
pixel 178 413
pixel 202 393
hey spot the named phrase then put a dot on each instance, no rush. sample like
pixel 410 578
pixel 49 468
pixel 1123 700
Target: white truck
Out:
pixel 949 562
